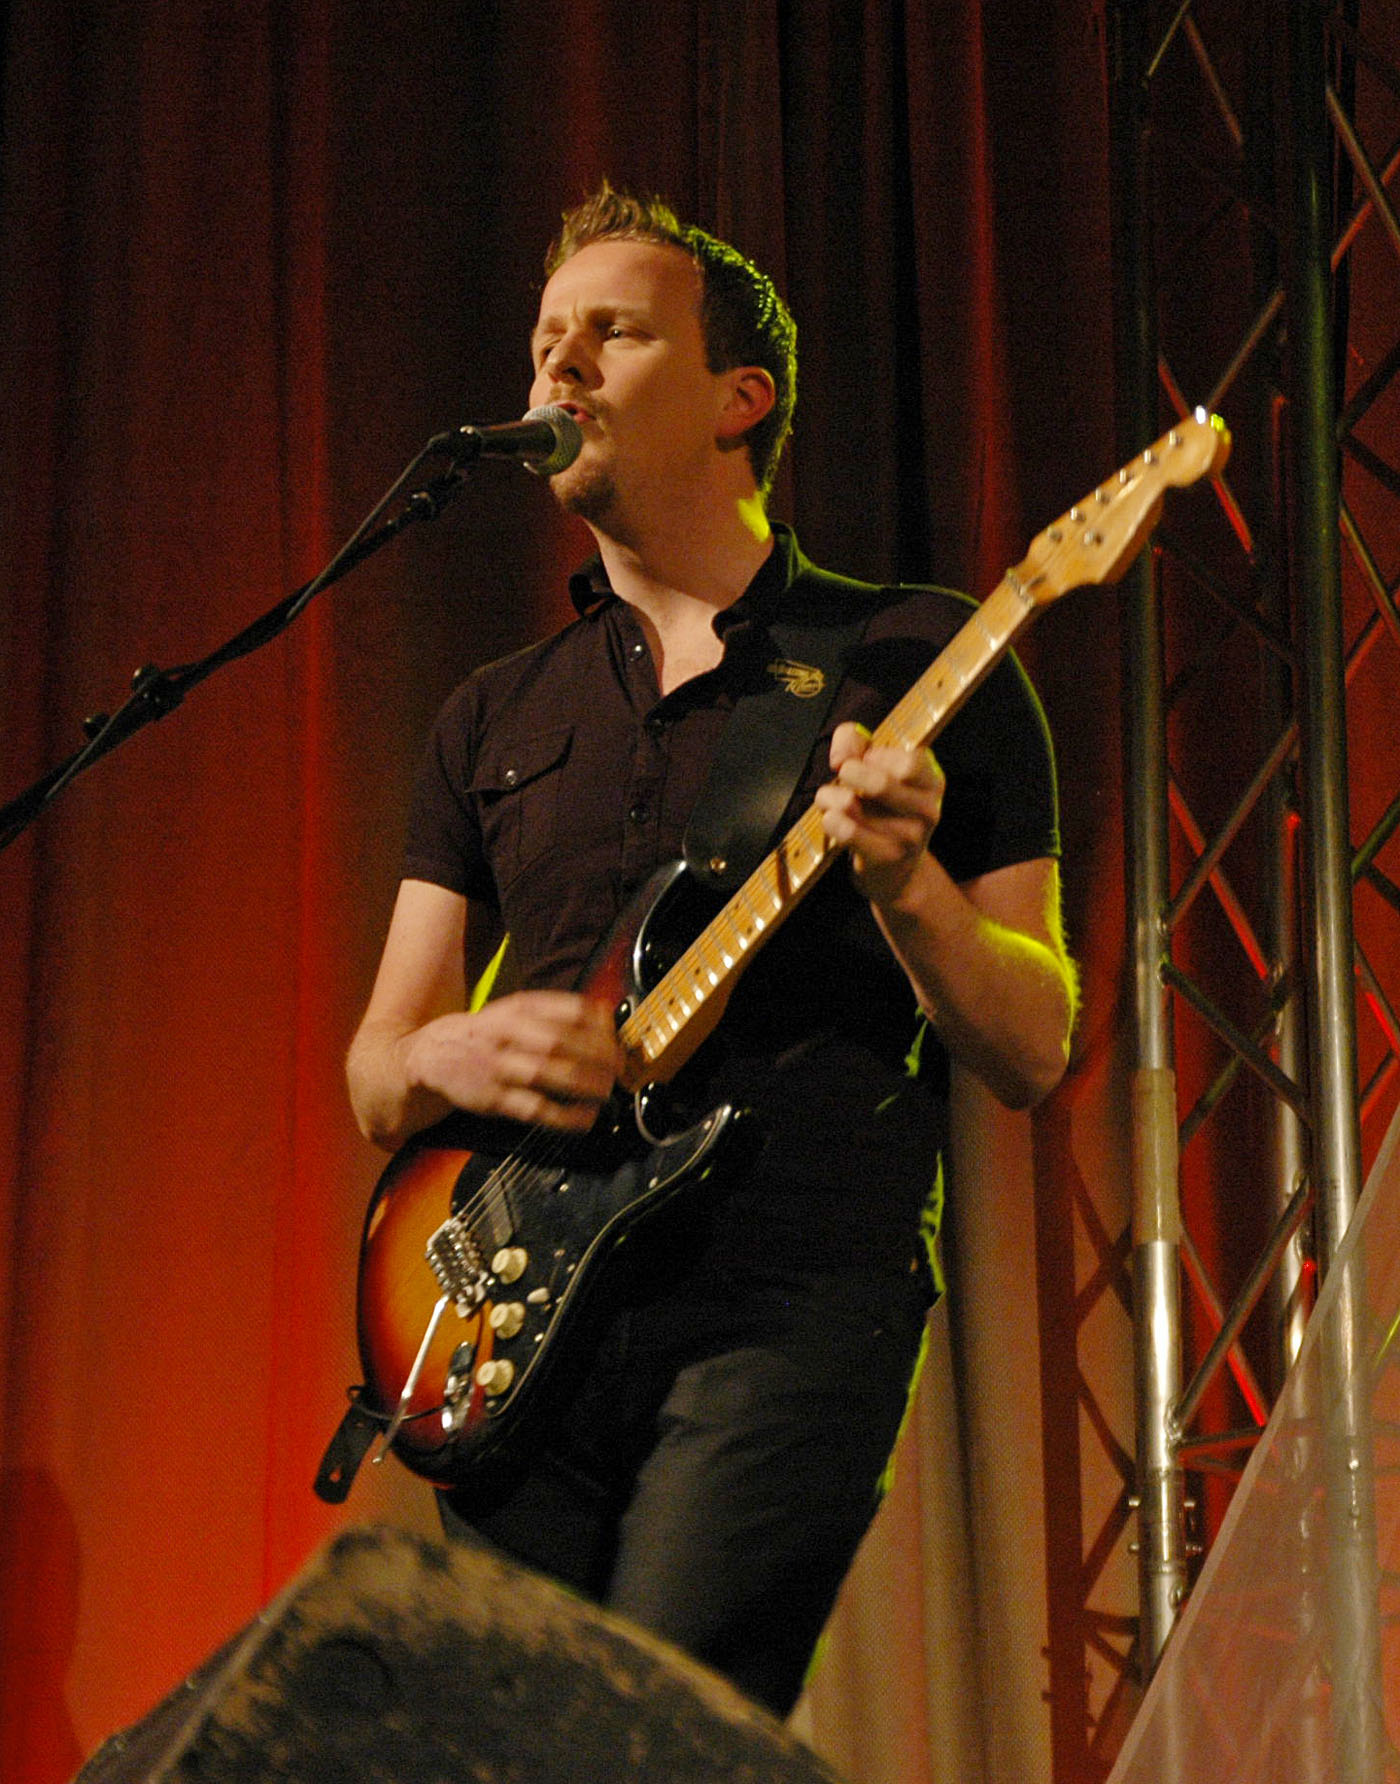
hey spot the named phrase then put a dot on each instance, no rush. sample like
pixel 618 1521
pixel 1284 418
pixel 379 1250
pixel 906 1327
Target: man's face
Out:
pixel 619 344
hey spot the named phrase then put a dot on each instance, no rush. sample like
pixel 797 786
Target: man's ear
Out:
pixel 751 394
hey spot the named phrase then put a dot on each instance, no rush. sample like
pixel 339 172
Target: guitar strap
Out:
pixel 764 748
pixel 346 1450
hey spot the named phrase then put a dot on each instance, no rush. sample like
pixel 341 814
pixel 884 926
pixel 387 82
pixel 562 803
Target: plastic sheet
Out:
pixel 1284 1667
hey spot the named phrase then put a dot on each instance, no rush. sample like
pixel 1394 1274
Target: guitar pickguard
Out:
pixel 526 1246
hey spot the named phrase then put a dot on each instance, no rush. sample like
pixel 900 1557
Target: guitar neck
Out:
pixel 671 1020
pixel 974 650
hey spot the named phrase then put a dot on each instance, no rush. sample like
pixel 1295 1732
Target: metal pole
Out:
pixel 1290 1288
pixel 1156 1211
pixel 1353 1578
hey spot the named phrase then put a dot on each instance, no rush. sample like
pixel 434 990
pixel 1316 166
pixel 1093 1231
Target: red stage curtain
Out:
pixel 255 252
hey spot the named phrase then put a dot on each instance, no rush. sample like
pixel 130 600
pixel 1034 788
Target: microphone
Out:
pixel 546 441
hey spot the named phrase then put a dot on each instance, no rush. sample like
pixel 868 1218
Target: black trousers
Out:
pixel 714 1473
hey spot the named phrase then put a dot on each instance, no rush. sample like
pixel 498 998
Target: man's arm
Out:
pixel 987 959
pixel 549 1057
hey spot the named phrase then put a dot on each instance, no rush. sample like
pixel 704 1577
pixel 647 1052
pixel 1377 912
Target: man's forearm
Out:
pixel 1001 1001
pixel 537 1057
pixel 388 1104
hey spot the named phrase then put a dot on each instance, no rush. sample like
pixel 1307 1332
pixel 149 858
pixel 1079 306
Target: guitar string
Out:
pixel 540 1151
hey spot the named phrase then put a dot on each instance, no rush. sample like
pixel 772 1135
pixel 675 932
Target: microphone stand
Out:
pixel 156 691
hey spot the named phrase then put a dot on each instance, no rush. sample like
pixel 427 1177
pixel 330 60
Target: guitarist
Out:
pixel 714 1473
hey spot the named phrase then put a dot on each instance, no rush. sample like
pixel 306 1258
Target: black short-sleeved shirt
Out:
pixel 557 780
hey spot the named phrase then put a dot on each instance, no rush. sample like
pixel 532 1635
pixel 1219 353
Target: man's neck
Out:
pixel 693 561
pixel 677 579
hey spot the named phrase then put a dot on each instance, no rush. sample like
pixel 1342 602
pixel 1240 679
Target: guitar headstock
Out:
pixel 1099 537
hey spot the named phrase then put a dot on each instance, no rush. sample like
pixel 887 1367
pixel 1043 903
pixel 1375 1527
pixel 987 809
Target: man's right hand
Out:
pixel 545 1057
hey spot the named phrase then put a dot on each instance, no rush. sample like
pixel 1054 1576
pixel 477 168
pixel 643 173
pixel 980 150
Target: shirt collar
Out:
pixel 591 592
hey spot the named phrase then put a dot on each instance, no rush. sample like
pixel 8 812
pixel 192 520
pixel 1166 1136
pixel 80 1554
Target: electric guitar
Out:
pixel 487 1246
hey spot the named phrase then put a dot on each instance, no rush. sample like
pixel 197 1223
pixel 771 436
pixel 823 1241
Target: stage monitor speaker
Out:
pixel 395 1660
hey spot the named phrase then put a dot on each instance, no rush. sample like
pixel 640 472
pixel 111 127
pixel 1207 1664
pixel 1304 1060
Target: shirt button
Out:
pixel 639 648
pixel 639 813
pixel 511 776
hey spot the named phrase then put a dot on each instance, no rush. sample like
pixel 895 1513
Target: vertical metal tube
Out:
pixel 1316 559
pixel 1290 1288
pixel 1353 1577
pixel 1291 1297
pixel 1156 1219
pixel 1157 1357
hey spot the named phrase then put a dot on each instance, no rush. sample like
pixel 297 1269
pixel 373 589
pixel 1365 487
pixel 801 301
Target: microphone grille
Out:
pixel 568 439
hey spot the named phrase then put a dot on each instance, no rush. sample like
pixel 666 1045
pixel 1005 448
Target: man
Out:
pixel 717 1466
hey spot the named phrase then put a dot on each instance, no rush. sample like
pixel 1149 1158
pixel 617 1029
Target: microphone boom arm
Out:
pixel 156 691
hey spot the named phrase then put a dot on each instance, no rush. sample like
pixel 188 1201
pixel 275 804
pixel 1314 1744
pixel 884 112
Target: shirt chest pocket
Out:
pixel 517 792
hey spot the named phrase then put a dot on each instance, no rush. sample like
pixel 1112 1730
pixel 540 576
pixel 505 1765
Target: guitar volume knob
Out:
pixel 495 1377
pixel 507 1317
pixel 509 1263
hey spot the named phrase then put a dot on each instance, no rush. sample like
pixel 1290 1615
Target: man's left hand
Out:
pixel 883 806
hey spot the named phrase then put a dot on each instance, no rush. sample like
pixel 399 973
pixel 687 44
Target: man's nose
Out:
pixel 568 359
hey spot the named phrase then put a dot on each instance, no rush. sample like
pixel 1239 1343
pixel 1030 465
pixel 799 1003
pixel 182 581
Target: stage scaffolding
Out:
pixel 1255 148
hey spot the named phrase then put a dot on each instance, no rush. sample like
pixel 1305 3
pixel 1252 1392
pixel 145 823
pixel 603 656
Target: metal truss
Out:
pixel 1256 149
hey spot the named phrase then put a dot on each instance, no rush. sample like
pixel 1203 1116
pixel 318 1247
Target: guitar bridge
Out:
pixel 458 1263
